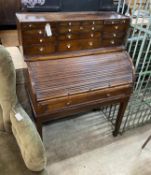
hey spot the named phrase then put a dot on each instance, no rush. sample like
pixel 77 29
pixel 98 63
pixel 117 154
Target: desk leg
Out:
pixel 120 115
pixel 39 127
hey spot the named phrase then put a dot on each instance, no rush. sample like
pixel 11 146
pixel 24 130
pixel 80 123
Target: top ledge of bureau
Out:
pixel 66 16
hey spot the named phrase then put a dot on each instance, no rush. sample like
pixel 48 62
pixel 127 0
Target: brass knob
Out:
pixel 69 30
pixel 41 40
pixel 112 42
pixel 114 34
pixel 68 103
pixel 112 22
pixel 70 23
pixel 124 21
pixel 81 28
pixel 30 25
pixel 69 36
pixel 116 27
pixel 41 49
pixel 92 35
pixel 68 46
pixel 93 22
pixel 108 95
pixel 40 32
pixel 90 43
pixel 93 28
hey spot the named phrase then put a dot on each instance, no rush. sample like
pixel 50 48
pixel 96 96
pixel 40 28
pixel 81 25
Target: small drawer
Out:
pixel 114 28
pixel 69 23
pixel 69 46
pixel 36 25
pixel 113 35
pixel 91 44
pixel 92 22
pixel 111 42
pixel 68 36
pixel 98 94
pixel 38 40
pixel 116 21
pixel 95 28
pixel 36 33
pixel 94 35
pixel 90 35
pixel 69 29
pixel 39 49
pixel 53 105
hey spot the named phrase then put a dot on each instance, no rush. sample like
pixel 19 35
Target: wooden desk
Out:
pixel 81 66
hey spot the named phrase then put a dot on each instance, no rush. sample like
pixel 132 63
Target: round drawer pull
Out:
pixel 41 40
pixel 112 42
pixel 69 36
pixel 108 95
pixel 30 25
pixel 93 22
pixel 69 30
pixel 81 28
pixel 92 35
pixel 70 23
pixel 112 22
pixel 116 27
pixel 124 21
pixel 90 43
pixel 41 49
pixel 68 46
pixel 40 32
pixel 68 103
pixel 114 34
pixel 93 28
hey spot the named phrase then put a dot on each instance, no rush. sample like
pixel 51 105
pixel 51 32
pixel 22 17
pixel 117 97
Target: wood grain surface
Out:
pixel 72 32
pixel 83 65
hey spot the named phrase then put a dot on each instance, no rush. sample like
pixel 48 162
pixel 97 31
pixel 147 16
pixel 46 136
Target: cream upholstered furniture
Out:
pixel 21 149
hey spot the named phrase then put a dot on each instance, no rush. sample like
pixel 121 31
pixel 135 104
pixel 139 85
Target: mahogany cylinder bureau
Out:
pixel 76 62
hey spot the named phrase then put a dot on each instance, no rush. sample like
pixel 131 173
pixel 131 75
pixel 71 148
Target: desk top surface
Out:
pixel 66 16
pixel 61 77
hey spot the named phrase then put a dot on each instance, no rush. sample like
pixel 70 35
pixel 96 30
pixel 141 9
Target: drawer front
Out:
pixel 52 105
pixel 69 46
pixel 39 49
pixel 70 36
pixel 112 42
pixel 97 95
pixel 69 23
pixel 93 22
pixel 78 23
pixel 91 43
pixel 36 33
pixel 116 21
pixel 80 29
pixel 82 99
pixel 113 35
pixel 38 40
pixel 114 28
pixel 36 25
pixel 79 44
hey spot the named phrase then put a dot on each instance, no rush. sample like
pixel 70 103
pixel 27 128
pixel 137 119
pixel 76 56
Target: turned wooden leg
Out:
pixel 39 127
pixel 120 115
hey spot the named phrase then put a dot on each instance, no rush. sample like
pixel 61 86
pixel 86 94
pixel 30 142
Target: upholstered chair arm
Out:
pixel 28 140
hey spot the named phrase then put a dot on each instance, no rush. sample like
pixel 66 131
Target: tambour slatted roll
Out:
pixel 76 62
